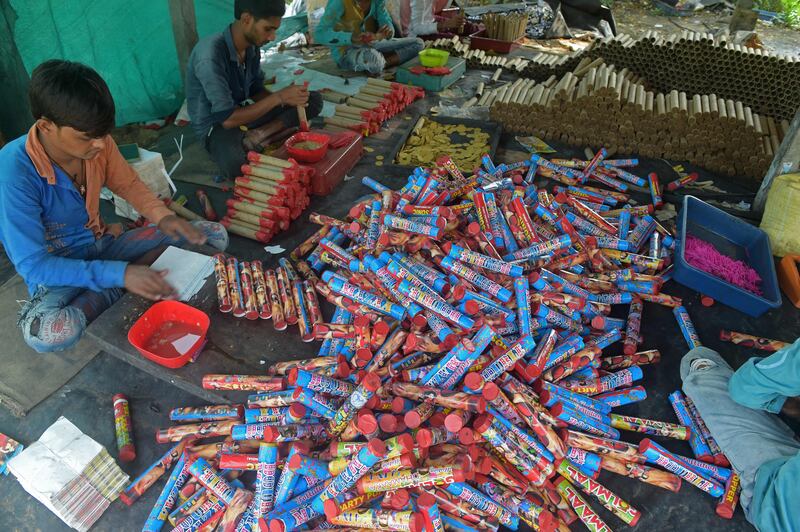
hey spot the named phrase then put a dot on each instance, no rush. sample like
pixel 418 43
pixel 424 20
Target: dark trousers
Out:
pixel 225 145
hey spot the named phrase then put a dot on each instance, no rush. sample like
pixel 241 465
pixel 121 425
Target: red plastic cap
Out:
pixel 292 377
pixel 538 386
pixel 424 438
pixel 481 405
pixel 387 423
pixel 381 327
pixel 297 410
pixel 544 396
pixel 366 423
pixel 466 436
pixel 707 301
pixel 377 447
pixel 437 420
pixel 426 500
pixel 446 246
pixel 371 382
pixel 473 229
pixel 644 445
pixel 458 292
pixel 270 434
pixel 481 423
pixel 556 409
pixel 399 499
pixel 276 525
pixel 490 391
pixel 598 322
pixel 398 405
pixel 127 453
pixel 412 419
pixel 472 306
pixel 453 422
pixel 416 523
pixel 723 510
pixel 331 508
pixel 419 320
pixel 547 521
pixel 295 461
pixel 406 442
pixel 296 393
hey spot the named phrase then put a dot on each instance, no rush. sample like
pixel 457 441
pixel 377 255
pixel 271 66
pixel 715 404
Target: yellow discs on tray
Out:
pixel 431 140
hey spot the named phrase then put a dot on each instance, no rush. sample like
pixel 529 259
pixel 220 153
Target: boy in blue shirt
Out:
pixel 74 265
pixel 231 111
pixel 739 409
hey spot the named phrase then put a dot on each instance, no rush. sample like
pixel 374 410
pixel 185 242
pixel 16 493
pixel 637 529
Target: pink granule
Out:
pixel 705 256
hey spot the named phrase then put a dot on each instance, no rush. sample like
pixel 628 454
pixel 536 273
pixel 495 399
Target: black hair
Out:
pixel 72 94
pixel 259 9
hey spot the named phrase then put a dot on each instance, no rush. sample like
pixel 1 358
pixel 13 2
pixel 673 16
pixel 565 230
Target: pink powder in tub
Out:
pixel 704 256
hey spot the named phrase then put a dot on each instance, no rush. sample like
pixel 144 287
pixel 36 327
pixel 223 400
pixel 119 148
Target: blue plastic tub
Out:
pixel 736 239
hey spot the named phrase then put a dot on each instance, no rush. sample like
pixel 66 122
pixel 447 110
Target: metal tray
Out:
pixel 492 128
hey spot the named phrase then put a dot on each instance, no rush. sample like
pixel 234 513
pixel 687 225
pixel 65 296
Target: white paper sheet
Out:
pixel 187 270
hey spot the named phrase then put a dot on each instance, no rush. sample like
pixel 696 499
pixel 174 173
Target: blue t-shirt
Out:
pixel 217 83
pixel 765 383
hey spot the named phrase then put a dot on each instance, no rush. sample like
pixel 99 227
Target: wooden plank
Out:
pixel 234 345
pixel 184 30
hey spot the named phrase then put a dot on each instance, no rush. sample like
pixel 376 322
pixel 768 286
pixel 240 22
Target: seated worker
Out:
pixel 739 410
pixel 73 264
pixel 225 88
pixel 359 33
pixel 422 17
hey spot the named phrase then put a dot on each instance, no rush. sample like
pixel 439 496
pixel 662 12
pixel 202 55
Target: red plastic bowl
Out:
pixel 169 319
pixel 307 156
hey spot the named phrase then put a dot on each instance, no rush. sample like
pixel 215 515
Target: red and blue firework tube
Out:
pixel 266 475
pixel 687 327
pixel 624 223
pixel 356 401
pixel 483 261
pixel 641 232
pixel 484 283
pixel 506 361
pixel 622 397
pixel 235 287
pixel 719 456
pixel 168 497
pixel 318 403
pixel 373 301
pixel 357 467
pixel 523 305
pixel 206 413
pixel 319 383
pixel 589 518
pixel 541 248
pixel 433 302
pixel 698 444
pixel 631 342
pixel 223 285
pixel 682 181
pixel 211 480
pixel 483 503
pixel 656 454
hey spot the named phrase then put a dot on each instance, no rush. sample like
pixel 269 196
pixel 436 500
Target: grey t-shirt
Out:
pixel 216 82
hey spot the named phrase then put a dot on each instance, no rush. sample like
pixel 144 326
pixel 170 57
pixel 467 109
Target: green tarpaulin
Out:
pixel 129 43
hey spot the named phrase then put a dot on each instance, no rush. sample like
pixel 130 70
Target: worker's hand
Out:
pixel 363 38
pixel 293 95
pixel 143 281
pixel 791 407
pixel 452 23
pixel 385 32
pixel 178 227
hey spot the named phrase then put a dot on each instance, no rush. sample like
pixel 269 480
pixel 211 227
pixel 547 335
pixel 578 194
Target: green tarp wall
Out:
pixel 130 43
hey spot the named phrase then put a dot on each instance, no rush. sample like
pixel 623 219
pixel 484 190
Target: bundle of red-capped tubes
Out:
pixel 468 375
pixel 268 195
pixel 376 102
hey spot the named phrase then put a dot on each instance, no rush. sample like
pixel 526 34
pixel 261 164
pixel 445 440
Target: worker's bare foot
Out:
pixel 791 407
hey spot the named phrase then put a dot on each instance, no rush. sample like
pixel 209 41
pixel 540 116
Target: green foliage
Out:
pixel 789 8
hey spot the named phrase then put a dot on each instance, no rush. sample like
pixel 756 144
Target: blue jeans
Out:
pixel 749 438
pixel 56 316
pixel 371 58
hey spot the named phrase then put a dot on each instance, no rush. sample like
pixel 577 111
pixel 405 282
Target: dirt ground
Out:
pixel 636 17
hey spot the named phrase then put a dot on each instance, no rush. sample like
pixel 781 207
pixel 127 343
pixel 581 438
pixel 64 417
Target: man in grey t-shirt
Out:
pixel 227 102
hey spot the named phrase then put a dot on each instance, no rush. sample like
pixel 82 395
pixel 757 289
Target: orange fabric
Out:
pixel 109 168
